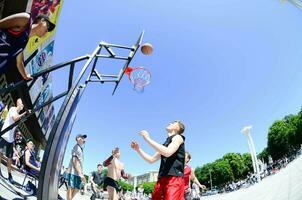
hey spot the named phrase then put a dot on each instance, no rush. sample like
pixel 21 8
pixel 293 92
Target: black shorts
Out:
pixel 111 182
pixel 7 148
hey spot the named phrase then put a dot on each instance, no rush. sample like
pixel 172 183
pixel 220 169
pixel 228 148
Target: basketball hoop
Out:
pixel 139 77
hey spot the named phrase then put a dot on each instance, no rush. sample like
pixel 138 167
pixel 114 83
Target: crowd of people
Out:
pixel 174 175
pixel 15 149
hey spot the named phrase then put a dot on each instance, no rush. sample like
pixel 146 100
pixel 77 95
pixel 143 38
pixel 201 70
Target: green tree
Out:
pixel 299 129
pixel 221 173
pixel 292 122
pixel 203 174
pixel 263 155
pixel 278 144
pixel 237 164
pixel 148 187
pixel 105 172
pixel 125 186
pixel 247 159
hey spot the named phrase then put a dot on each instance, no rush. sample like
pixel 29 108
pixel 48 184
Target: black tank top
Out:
pixel 175 164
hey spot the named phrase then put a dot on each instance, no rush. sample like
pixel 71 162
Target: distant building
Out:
pixel 150 176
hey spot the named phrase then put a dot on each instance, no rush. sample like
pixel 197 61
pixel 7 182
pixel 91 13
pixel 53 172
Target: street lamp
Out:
pixel 211 179
pixel 247 131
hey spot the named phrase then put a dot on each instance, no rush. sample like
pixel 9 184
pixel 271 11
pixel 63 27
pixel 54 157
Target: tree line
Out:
pixel 284 139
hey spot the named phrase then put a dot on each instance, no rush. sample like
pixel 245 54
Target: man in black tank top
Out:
pixel 170 184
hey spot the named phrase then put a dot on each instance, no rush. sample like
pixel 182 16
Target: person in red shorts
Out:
pixel 190 175
pixel 170 183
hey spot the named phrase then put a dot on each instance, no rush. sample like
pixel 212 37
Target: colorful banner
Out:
pixel 45 96
pixel 47 119
pixel 42 60
pixel 52 9
pixel 39 53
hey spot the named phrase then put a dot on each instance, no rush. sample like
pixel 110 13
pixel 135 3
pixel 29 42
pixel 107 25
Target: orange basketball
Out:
pixel 147 49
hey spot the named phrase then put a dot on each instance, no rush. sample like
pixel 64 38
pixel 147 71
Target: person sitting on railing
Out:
pixel 31 165
pixel 15 30
pixel 7 139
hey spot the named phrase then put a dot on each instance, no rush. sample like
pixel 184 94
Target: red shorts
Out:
pixel 169 188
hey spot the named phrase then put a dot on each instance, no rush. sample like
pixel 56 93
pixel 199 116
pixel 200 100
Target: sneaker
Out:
pixel 92 197
pixel 60 198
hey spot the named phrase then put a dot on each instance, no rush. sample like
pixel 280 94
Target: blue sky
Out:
pixel 217 66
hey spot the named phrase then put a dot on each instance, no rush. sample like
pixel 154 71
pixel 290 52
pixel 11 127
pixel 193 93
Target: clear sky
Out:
pixel 217 66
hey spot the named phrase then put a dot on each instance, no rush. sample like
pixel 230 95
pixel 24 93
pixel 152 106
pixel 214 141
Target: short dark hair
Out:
pixel 181 127
pixel 40 17
pixel 189 155
pixel 100 165
pixel 29 140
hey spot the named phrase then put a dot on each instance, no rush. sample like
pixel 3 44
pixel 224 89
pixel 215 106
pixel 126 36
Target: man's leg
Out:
pixel 69 194
pixel 112 193
pixel 74 192
pixel 174 189
pixel 9 154
pixel 157 193
pixel 94 193
pixel 9 165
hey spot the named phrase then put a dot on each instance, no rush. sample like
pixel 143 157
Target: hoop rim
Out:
pixel 129 70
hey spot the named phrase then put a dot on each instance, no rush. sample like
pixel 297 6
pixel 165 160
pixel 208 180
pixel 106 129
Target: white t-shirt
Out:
pixel 77 152
pixel 9 135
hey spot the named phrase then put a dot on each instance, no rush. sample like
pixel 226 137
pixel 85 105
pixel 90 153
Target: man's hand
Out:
pixel 28 77
pixel 134 145
pixel 145 134
pixel 83 178
pixel 203 187
pixel 115 151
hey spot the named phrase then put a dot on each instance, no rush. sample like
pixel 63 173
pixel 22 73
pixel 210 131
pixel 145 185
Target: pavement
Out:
pixel 284 185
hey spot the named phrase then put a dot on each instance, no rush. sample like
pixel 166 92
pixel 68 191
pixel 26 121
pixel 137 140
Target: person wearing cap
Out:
pixel 75 177
pixel 15 31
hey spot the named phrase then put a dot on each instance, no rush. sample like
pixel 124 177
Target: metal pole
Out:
pixel 58 138
pixel 246 131
pixel 211 179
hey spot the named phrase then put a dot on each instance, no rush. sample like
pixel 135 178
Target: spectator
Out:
pixel 15 30
pixel 75 176
pixel 7 139
pixel 19 147
pixel 31 164
pixel 96 180
pixel 189 175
